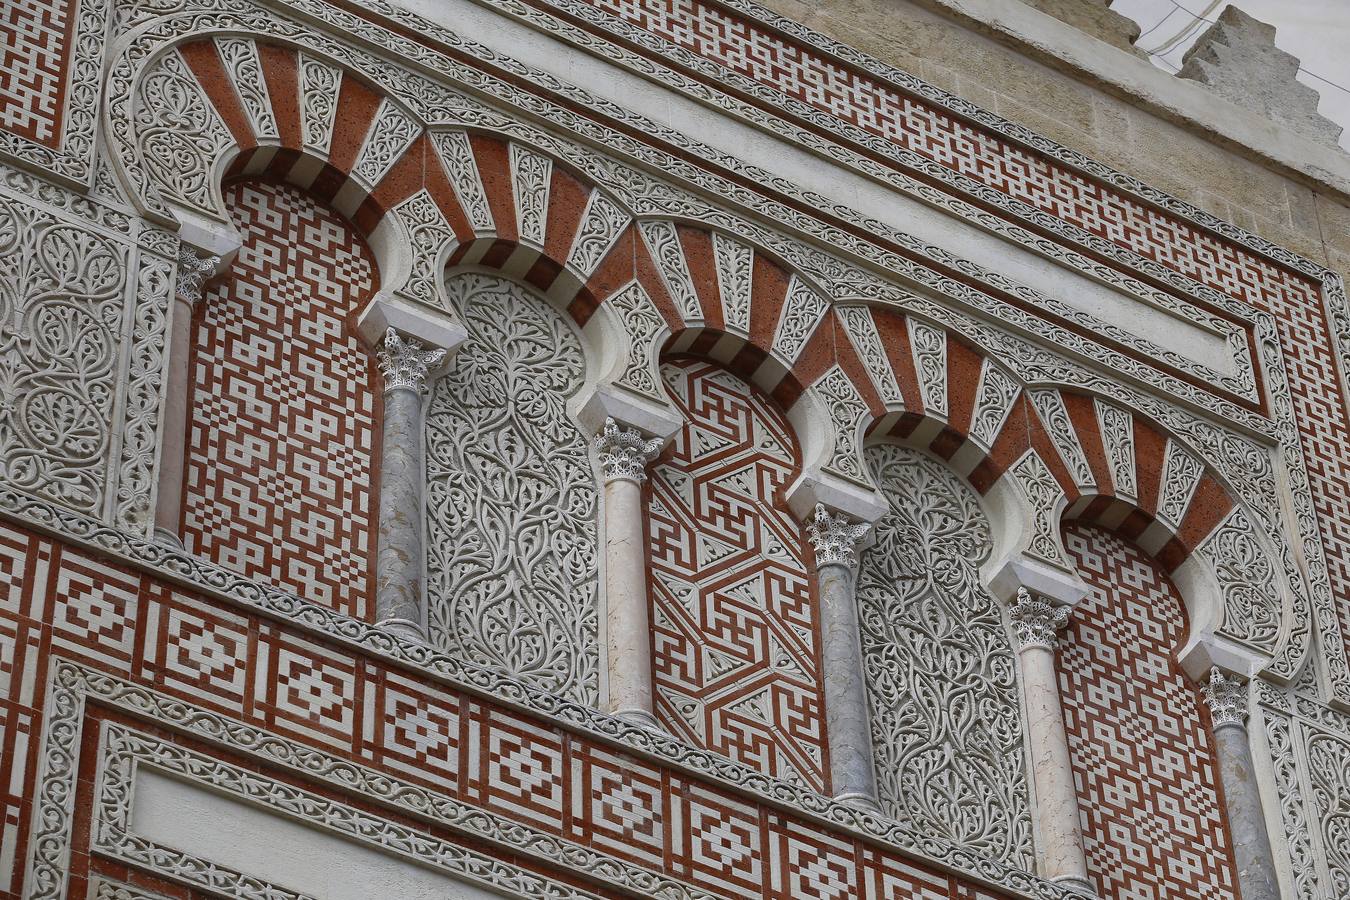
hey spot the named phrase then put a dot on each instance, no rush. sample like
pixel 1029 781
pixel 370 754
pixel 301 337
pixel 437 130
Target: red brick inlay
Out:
pixel 279 466
pixel 35 50
pixel 733 619
pixel 1143 756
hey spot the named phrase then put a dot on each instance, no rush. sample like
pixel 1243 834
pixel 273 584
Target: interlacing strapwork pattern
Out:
pixel 733 622
pixel 940 673
pixel 1143 758
pixel 279 471
pixel 511 496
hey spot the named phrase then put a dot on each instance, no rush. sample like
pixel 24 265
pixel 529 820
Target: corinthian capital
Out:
pixel 1226 698
pixel 405 363
pixel 835 537
pixel 193 270
pixel 1036 620
pixel 624 452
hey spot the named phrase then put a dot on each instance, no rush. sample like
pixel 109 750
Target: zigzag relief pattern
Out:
pixel 733 622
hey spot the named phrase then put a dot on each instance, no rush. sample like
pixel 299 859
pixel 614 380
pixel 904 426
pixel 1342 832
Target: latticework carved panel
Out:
pixel 940 672
pixel 279 462
pixel 511 498
pixel 734 626
pixel 1143 757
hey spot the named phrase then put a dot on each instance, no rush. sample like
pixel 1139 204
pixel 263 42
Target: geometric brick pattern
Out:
pixel 35 40
pixel 1143 757
pixel 524 770
pixel 279 483
pixel 734 625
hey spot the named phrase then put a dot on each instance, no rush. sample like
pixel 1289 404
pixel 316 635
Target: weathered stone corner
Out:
pixel 1095 18
pixel 1238 60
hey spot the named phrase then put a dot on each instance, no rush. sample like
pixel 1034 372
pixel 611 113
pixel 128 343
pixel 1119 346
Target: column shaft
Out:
pixel 628 632
pixel 1227 698
pixel 624 454
pixel 835 538
pixel 177 401
pixel 847 719
pixel 1061 832
pixel 399 563
pixel 1246 821
pixel 399 560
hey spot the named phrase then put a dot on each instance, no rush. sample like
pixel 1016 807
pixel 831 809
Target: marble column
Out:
pixel 624 454
pixel 1227 700
pixel 835 538
pixel 193 270
pixel 400 562
pixel 1035 621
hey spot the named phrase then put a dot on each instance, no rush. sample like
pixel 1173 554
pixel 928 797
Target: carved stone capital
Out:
pixel 1036 621
pixel 625 452
pixel 193 272
pixel 405 363
pixel 1226 698
pixel 835 537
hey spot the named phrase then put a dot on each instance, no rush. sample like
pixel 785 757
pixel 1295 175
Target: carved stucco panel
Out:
pixel 940 672
pixel 511 497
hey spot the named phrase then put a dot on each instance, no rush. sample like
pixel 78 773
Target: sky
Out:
pixel 1316 31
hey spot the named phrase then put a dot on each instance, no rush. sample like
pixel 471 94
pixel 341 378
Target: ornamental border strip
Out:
pixel 179 567
pixel 121 750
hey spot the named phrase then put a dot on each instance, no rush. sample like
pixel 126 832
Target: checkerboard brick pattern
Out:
pixel 280 472
pixel 734 623
pixel 35 46
pixel 1143 756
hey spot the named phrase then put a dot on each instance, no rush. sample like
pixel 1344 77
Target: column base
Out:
pixel 859 800
pixel 1077 884
pixel 404 628
pixel 639 717
pixel 167 538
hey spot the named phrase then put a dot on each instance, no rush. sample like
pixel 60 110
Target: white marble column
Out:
pixel 399 563
pixel 193 270
pixel 1226 697
pixel 1035 621
pixel 624 453
pixel 835 538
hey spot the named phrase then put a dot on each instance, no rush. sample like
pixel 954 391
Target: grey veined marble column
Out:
pixel 399 562
pixel 1036 622
pixel 624 454
pixel 1227 701
pixel 193 270
pixel 835 538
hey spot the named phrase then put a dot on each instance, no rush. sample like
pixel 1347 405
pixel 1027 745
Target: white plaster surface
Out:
pixel 276 849
pixel 737 138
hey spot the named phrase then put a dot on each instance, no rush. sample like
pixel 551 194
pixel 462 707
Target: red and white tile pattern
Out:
pixel 280 474
pixel 35 39
pixel 1142 752
pixel 734 624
